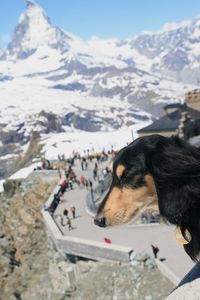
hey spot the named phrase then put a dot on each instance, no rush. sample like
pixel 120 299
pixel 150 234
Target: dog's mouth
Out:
pixel 119 219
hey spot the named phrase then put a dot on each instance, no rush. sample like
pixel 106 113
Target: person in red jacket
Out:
pixel 63 186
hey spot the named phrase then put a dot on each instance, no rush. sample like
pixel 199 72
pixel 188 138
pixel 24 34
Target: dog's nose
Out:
pixel 101 222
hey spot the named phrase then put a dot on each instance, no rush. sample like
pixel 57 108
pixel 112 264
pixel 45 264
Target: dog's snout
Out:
pixel 101 222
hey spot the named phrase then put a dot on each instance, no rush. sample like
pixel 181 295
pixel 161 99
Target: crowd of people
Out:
pixel 71 180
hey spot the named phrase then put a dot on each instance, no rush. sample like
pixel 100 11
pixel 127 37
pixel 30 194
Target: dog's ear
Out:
pixel 175 166
pixel 174 201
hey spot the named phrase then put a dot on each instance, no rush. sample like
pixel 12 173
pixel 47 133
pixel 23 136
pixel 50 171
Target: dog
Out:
pixel 156 169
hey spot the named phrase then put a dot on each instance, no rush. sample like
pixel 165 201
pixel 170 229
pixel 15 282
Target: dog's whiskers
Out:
pixel 120 216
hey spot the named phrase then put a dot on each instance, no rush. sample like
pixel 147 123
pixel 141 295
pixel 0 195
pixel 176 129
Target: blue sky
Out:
pixel 102 18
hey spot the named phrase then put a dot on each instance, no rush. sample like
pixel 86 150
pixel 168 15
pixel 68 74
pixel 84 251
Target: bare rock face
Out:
pixel 11 186
pixel 115 281
pixel 49 122
pixel 30 266
pixel 24 261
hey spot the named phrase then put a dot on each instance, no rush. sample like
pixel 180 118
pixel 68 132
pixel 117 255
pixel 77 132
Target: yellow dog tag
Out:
pixel 180 238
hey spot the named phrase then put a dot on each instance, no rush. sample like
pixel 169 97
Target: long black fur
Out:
pixel 175 168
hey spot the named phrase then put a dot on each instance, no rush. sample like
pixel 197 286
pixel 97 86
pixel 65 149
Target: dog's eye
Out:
pixel 132 181
pixel 121 182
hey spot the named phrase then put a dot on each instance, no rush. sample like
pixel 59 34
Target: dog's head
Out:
pixel 155 169
pixel 132 186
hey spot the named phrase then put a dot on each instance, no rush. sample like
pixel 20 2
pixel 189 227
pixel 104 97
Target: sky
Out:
pixel 101 18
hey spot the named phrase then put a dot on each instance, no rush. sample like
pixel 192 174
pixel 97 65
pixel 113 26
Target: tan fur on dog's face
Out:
pixel 122 204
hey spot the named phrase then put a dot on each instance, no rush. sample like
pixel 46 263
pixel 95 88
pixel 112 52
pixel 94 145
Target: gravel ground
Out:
pixel 121 282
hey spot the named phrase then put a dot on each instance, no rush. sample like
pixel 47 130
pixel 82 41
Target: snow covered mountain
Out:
pixel 175 50
pixel 34 30
pixel 172 52
pixel 53 81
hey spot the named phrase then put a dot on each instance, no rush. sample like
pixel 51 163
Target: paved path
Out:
pixel 139 237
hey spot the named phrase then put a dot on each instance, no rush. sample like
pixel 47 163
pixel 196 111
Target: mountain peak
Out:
pixel 34 30
pixel 31 3
pixel 32 8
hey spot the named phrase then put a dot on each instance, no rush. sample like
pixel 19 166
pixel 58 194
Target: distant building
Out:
pixel 182 120
pixel 172 123
pixel 192 99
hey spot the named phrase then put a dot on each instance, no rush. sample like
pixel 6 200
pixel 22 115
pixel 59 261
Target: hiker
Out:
pixel 104 172
pixel 72 175
pixel 87 184
pixel 63 186
pixel 155 250
pixel 95 174
pixel 90 184
pixel 65 212
pixel 73 211
pixel 56 201
pixel 70 184
pixel 48 165
pixel 43 164
pixel 69 223
pixel 82 181
pixel 82 165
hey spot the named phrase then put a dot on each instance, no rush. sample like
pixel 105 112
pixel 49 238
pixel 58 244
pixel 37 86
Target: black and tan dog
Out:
pixel 156 169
